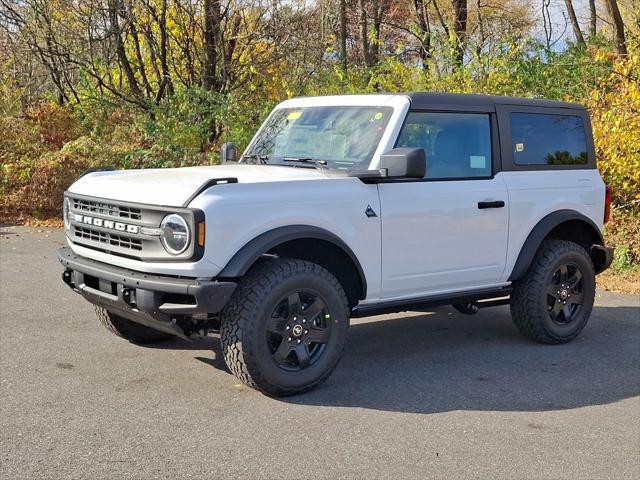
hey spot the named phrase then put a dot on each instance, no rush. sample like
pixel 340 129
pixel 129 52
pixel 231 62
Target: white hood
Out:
pixel 173 186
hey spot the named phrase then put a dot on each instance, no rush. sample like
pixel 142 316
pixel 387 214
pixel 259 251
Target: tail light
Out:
pixel 607 203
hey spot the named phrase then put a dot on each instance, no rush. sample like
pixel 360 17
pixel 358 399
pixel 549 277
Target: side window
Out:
pixel 541 139
pixel 457 145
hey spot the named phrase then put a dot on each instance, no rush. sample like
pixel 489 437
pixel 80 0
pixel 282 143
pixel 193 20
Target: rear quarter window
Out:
pixel 548 139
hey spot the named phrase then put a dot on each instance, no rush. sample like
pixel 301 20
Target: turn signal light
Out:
pixel 201 234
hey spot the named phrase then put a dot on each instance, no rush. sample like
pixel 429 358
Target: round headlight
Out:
pixel 66 213
pixel 175 234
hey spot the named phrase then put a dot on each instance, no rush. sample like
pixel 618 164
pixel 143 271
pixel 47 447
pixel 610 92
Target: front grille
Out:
pixel 116 211
pixel 107 238
pixel 121 228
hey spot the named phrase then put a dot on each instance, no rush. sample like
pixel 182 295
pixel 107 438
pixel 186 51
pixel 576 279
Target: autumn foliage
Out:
pixel 159 83
pixel 614 104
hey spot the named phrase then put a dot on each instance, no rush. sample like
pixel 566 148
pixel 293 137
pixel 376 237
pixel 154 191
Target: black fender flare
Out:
pixel 244 258
pixel 540 232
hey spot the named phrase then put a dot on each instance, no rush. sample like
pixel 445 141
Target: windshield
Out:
pixel 343 137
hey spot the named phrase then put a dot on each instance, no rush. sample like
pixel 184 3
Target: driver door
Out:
pixel 448 231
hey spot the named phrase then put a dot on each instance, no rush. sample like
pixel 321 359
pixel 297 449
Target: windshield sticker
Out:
pixel 378 116
pixel 477 161
pixel 294 115
pixel 519 147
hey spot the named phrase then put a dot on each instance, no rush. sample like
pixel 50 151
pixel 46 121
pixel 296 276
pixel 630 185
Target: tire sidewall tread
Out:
pixel 242 323
pixel 129 330
pixel 528 310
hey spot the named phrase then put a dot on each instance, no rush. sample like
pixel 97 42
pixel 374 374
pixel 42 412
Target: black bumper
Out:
pixel 153 300
pixel 602 257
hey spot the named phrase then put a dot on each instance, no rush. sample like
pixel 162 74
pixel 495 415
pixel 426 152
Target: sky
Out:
pixel 559 19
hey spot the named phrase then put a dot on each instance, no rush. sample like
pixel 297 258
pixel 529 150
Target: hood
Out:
pixel 174 186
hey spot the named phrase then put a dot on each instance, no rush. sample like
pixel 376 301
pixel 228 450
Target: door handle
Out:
pixel 492 204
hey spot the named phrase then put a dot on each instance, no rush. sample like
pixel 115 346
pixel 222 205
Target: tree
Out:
pixel 460 15
pixel 574 22
pixel 343 35
pixel 593 18
pixel 115 8
pixel 364 32
pixel 456 34
pixel 423 24
pixel 212 14
pixel 618 24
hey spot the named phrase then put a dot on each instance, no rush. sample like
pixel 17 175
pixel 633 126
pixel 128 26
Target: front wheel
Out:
pixel 284 329
pixel 553 302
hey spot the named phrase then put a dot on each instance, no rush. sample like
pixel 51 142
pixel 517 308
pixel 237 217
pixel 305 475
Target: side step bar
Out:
pixel 492 297
pixel 496 302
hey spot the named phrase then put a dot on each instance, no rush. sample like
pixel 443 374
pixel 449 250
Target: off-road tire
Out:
pixel 529 309
pixel 244 317
pixel 132 331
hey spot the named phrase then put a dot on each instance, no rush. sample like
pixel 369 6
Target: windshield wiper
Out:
pixel 260 159
pixel 317 163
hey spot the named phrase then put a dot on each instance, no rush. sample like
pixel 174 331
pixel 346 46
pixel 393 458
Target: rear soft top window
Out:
pixel 548 139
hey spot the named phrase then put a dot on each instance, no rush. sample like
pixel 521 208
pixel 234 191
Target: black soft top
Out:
pixel 463 101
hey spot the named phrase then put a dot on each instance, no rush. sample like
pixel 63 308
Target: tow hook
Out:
pixel 129 297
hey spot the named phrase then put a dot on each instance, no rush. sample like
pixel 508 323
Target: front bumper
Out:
pixel 156 301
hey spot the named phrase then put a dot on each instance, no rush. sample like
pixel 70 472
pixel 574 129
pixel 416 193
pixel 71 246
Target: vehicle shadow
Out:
pixel 447 361
pixel 442 361
pixel 203 344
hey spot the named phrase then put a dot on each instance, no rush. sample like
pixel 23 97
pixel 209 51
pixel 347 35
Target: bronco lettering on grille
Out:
pixel 110 224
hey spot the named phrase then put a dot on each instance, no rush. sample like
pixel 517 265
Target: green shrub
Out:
pixel 623 232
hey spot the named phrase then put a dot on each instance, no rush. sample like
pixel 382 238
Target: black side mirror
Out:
pixel 228 152
pixel 404 163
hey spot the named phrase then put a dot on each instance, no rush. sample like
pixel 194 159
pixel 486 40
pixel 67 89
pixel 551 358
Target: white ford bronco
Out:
pixel 348 206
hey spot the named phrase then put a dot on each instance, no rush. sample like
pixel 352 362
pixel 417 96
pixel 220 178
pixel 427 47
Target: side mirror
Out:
pixel 404 163
pixel 228 152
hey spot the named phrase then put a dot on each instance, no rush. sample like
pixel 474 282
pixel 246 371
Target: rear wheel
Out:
pixel 132 331
pixel 283 331
pixel 553 302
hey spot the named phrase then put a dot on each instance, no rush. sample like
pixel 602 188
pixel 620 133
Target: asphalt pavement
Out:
pixel 416 395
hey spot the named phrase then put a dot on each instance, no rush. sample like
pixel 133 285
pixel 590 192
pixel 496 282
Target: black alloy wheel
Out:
pixel 565 294
pixel 298 330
